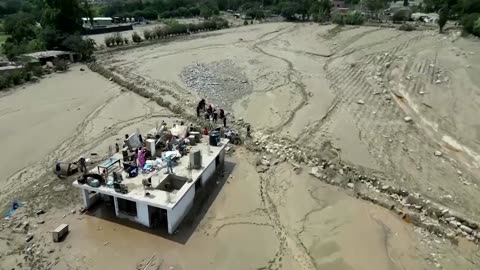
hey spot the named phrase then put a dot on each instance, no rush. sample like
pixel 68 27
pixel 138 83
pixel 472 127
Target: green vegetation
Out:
pixel 467 10
pixel 172 28
pixel 207 9
pixel 476 27
pixel 401 16
pixel 19 77
pixel 136 37
pixel 3 37
pixel 34 25
pixel 375 6
pixel 351 18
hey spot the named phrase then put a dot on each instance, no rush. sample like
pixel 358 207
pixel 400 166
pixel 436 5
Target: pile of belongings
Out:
pixel 91 179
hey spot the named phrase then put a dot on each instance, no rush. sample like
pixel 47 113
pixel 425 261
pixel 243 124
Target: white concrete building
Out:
pixel 170 197
pixel 97 22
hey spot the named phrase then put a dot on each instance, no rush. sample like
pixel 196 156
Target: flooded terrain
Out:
pixel 366 102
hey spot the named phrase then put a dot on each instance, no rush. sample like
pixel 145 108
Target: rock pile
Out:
pixel 222 82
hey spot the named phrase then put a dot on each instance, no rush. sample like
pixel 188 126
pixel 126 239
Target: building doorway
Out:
pixel 158 218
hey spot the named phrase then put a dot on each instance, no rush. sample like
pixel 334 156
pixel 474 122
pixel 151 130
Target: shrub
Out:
pixel 407 27
pixel 136 37
pixel 109 41
pixel 4 82
pixel 194 11
pixel 118 38
pixel 158 32
pixel 177 29
pixel 220 23
pixel 401 15
pixel 83 46
pixel 210 25
pixel 37 71
pixel 17 77
pixel 476 27
pixel 468 22
pixel 193 27
pixel 339 19
pixel 354 18
pixel 60 65
pixel 166 14
pixel 183 12
pixel 351 18
pixel 245 22
pixel 28 76
pixel 147 34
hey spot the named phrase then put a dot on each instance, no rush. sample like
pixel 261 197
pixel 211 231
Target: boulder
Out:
pixel 466 229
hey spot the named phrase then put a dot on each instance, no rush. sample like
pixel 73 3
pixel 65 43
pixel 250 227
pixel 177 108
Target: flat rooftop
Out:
pixel 159 198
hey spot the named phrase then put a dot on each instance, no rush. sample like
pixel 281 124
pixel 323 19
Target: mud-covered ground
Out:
pixel 398 105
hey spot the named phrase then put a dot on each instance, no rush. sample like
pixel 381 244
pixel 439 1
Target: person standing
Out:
pixel 215 116
pixel 248 131
pixel 201 104
pixel 224 121
pixel 83 165
pixel 169 165
pixel 210 109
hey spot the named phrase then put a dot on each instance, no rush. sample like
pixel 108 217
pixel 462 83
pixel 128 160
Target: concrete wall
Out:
pixel 222 157
pixel 142 213
pixel 176 215
pixel 208 173
pixel 87 200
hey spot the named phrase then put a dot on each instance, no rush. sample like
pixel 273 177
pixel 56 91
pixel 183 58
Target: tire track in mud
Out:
pixel 396 145
pixel 291 73
pixel 423 72
pixel 351 84
pixel 288 239
pixel 338 76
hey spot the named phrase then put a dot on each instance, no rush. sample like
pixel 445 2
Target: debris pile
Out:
pixel 221 81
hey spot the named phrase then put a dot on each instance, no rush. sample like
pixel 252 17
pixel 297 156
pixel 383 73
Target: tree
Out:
pixel 374 6
pixel 443 16
pixel 76 43
pixel 471 6
pixel 476 27
pixel 289 9
pixel 324 10
pixel 304 8
pixel 206 12
pixel 64 15
pixel 10 7
pixel 87 11
pixel 20 26
pixel 405 3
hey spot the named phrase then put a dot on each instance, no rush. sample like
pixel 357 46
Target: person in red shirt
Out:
pixel 205 131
